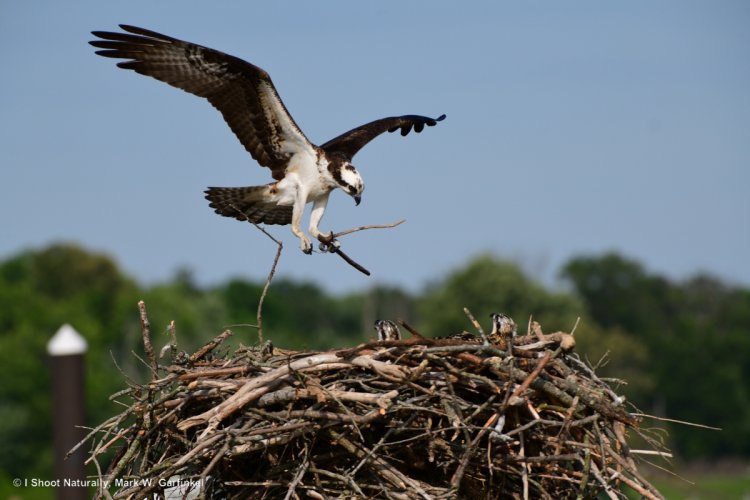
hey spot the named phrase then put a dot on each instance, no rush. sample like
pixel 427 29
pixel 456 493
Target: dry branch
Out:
pixel 146 330
pixel 271 273
pixel 329 243
pixel 418 418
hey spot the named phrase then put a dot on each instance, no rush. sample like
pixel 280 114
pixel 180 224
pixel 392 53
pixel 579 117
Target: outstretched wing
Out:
pixel 242 92
pixel 350 142
pixel 254 203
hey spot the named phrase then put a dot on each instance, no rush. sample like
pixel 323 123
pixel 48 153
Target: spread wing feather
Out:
pixel 242 92
pixel 349 143
pixel 254 203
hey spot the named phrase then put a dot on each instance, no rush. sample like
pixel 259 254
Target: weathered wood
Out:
pixel 413 418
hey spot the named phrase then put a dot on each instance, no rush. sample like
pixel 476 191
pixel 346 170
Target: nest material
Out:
pixel 417 418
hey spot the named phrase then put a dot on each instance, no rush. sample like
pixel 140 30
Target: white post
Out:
pixel 66 349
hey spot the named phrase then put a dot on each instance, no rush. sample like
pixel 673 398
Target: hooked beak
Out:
pixel 357 199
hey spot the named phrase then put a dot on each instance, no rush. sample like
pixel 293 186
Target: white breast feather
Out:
pixel 304 173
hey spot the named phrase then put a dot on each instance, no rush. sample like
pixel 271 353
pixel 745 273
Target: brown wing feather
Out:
pixel 352 141
pixel 248 203
pixel 242 92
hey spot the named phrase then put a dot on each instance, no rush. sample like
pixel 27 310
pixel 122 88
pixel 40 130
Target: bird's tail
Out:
pixel 253 203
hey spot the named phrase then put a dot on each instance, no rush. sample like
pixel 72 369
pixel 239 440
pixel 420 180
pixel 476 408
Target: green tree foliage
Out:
pixel 385 302
pixel 486 285
pixel 619 292
pixel 695 336
pixel 682 347
pixel 40 291
pixel 298 315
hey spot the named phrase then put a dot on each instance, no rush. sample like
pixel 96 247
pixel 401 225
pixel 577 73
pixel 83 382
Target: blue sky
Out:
pixel 573 128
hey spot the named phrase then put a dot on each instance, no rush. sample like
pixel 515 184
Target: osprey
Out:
pixel 245 96
pixel 503 325
pixel 387 330
pixel 503 331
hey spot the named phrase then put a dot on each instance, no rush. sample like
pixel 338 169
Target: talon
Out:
pixel 329 247
pixel 306 246
pixel 328 243
pixel 326 238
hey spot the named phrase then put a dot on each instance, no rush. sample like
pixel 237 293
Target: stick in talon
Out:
pixel 328 244
pixel 331 245
pixel 351 262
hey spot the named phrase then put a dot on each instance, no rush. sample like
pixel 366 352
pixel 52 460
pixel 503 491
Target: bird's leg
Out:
pixel 297 211
pixel 327 243
pixel 304 242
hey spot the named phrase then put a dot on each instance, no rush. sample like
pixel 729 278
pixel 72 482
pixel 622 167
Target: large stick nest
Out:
pixel 416 418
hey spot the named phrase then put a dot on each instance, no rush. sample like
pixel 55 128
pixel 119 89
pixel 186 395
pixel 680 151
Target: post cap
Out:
pixel 66 341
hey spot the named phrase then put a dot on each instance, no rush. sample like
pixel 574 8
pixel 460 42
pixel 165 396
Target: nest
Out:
pixel 460 417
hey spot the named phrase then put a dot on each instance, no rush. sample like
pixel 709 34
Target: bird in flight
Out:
pixel 247 99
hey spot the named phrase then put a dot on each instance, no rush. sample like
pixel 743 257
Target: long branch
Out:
pixel 371 226
pixel 328 242
pixel 259 314
pixel 146 330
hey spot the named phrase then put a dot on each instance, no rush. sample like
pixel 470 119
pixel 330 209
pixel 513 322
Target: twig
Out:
pixel 575 325
pixel 209 346
pixel 343 479
pixel 524 468
pixel 617 400
pixel 147 347
pixel 328 242
pixel 408 419
pixel 663 419
pixel 652 452
pixel 252 390
pixel 532 376
pixel 586 470
pixel 172 346
pixel 476 324
pixel 280 246
pixel 118 466
pixel 110 422
pixel 298 476
pixel 371 226
pixel 104 447
pixel 642 483
pixel 566 424
pixel 217 458
pixel 356 265
pixel 382 468
pixel 645 493
pixel 271 273
pixel 410 329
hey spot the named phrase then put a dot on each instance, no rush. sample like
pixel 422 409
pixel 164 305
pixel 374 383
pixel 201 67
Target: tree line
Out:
pixel 680 348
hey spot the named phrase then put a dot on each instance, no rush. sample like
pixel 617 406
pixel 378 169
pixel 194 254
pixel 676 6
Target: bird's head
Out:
pixel 350 181
pixel 502 324
pixel 387 330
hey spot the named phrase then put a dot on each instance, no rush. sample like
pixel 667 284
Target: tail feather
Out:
pixel 249 203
